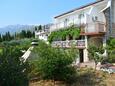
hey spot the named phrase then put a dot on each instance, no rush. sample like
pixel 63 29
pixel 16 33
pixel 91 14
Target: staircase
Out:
pixel 27 53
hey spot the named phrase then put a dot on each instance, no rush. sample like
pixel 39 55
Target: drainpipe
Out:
pixel 111 18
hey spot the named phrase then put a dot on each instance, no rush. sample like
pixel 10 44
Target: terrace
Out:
pixel 69 43
pixel 86 29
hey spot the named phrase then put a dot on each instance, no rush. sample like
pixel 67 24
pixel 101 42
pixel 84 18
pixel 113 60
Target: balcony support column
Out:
pixel 85 51
pixel 77 60
pixel 105 45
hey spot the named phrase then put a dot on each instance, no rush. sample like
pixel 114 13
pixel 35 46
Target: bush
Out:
pixel 111 50
pixel 61 34
pixel 55 63
pixel 13 71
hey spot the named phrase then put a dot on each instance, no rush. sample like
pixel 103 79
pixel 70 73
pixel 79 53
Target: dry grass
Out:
pixel 85 77
pixel 47 83
pixel 110 80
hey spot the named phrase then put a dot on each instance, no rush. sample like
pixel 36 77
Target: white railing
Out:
pixel 41 32
pixel 95 27
pixel 62 25
pixel 69 43
pixel 58 26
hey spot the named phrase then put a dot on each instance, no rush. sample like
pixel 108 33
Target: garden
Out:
pixel 51 66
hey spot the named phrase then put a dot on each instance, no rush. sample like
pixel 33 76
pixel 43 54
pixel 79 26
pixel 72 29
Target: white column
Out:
pixel 104 41
pixel 85 51
pixel 105 44
pixel 35 34
pixel 77 60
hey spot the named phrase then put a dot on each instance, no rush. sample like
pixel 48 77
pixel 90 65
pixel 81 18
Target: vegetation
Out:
pixel 54 64
pixel 111 50
pixel 38 28
pixel 92 49
pixel 50 64
pixel 22 44
pixel 20 35
pixel 13 71
pixel 70 32
pixel 85 77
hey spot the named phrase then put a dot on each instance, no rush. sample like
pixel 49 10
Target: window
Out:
pixel 81 16
pixel 65 22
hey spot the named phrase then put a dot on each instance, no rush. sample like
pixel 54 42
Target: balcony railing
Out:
pixel 58 26
pixel 95 27
pixel 41 32
pixel 69 43
pixel 62 25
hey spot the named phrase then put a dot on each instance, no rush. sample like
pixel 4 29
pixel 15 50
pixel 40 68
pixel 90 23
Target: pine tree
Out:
pixel 36 28
pixel 40 27
pixel 23 34
pixel 0 38
pixel 29 34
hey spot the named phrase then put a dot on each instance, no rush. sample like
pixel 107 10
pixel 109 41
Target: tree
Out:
pixel 94 56
pixel 111 50
pixel 9 36
pixel 13 71
pixel 0 38
pixel 36 28
pixel 29 34
pixel 71 32
pixel 33 34
pixel 55 63
pixel 23 34
pixel 40 27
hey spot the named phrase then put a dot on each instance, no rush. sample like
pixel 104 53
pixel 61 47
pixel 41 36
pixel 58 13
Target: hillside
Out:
pixel 16 28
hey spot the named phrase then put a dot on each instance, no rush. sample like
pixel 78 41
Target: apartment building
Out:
pixel 43 33
pixel 98 21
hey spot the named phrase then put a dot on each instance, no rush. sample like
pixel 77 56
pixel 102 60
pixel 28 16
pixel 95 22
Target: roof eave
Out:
pixel 78 8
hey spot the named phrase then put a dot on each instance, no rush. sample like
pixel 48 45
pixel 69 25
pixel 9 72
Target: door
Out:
pixel 81 55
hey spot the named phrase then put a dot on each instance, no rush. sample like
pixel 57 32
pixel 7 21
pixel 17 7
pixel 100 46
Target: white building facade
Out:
pixel 43 33
pixel 96 26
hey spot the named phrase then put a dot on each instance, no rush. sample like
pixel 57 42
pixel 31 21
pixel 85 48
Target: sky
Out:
pixel 34 11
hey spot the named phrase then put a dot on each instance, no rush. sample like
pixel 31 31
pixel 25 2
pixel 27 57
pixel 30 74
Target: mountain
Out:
pixel 16 28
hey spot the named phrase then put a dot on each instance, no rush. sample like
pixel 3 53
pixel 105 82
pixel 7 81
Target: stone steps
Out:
pixel 88 64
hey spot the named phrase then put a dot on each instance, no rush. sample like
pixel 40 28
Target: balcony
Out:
pixel 62 25
pixel 69 43
pixel 86 29
pixel 41 32
pixel 94 28
pixel 58 26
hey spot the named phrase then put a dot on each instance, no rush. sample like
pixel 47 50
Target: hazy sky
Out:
pixel 34 11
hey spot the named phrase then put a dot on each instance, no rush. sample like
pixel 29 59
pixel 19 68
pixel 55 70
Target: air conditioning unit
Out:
pixel 94 18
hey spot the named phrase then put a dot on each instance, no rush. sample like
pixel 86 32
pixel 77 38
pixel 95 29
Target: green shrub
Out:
pixel 55 63
pixel 61 34
pixel 111 50
pixel 13 71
